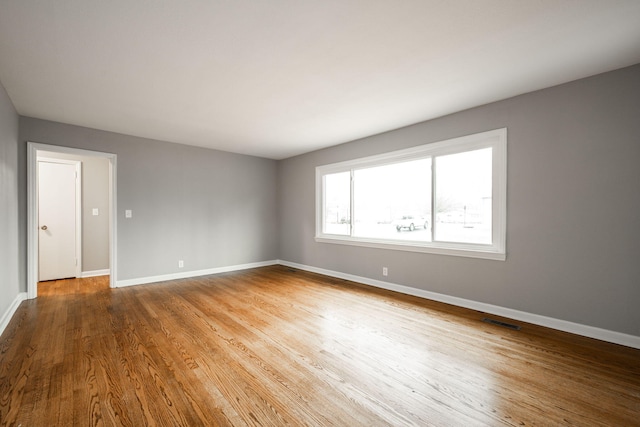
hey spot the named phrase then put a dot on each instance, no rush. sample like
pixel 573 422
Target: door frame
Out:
pixel 78 210
pixel 32 210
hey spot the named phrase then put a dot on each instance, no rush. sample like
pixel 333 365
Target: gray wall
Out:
pixel 95 194
pixel 206 207
pixel 9 272
pixel 573 232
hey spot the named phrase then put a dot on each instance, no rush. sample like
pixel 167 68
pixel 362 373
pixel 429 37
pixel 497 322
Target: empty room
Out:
pixel 337 213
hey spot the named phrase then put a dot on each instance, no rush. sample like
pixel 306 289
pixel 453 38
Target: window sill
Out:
pixel 438 248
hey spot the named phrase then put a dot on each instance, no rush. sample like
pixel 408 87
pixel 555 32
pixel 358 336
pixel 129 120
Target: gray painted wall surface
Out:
pixel 9 272
pixel 206 207
pixel 573 233
pixel 95 194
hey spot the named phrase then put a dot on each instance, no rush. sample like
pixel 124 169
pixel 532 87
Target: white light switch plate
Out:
pixel 95 212
pixel 128 213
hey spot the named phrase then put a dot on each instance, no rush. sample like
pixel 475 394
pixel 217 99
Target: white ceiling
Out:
pixel 279 78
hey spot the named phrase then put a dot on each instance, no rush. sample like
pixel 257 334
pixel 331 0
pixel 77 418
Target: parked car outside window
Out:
pixel 411 222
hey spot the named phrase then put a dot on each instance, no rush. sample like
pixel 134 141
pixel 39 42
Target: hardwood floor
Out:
pixel 272 347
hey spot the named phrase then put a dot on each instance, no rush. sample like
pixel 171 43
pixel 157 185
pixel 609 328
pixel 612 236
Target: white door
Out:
pixel 57 221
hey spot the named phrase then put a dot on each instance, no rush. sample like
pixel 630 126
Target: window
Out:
pixel 447 197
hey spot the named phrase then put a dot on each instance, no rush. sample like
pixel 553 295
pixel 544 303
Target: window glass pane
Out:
pixel 337 193
pixel 463 197
pixel 393 201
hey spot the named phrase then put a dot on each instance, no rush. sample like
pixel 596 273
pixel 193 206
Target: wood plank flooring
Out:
pixel 274 347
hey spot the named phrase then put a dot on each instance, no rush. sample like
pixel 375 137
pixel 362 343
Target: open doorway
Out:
pixel 96 231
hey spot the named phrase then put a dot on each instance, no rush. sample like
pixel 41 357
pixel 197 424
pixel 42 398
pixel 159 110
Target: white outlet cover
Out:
pixel 128 213
pixel 95 212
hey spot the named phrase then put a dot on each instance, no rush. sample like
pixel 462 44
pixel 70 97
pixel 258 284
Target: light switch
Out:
pixel 95 212
pixel 127 213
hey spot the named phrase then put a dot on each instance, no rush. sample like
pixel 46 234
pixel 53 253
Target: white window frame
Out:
pixel 495 139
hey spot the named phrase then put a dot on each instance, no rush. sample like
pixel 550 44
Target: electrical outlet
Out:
pixel 180 263
pixel 385 271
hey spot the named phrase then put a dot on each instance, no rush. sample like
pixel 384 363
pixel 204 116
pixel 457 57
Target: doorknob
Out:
pixel 44 227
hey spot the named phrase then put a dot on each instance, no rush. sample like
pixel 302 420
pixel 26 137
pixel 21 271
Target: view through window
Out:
pixel 393 201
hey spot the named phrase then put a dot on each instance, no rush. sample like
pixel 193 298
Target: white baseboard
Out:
pixel 549 322
pixel 196 273
pixel 7 315
pixel 95 273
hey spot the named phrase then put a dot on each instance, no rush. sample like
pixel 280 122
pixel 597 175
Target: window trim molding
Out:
pixel 496 139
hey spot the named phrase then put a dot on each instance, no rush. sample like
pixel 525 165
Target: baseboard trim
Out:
pixel 95 273
pixel 549 322
pixel 8 315
pixel 188 274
